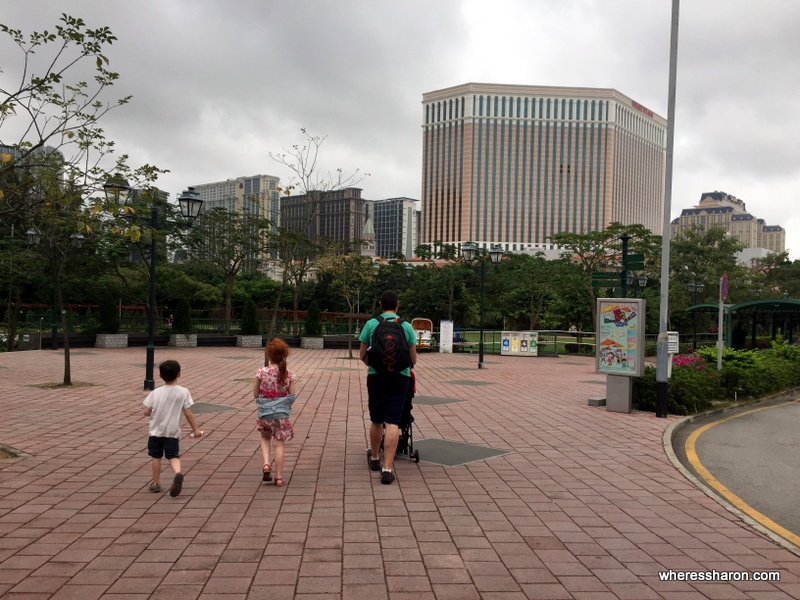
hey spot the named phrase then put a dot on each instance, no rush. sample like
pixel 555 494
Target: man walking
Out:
pixel 389 348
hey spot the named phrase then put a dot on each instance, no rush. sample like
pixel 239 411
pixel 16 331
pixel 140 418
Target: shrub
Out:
pixel 109 317
pixel 313 324
pixel 183 322
pixel 250 325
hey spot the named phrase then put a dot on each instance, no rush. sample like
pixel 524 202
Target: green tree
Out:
pixel 184 322
pixel 250 325
pixel 351 272
pixel 297 248
pixel 230 242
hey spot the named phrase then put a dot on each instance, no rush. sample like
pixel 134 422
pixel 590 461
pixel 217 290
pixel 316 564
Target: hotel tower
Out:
pixel 514 164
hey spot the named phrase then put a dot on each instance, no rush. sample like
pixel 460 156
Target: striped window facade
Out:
pixel 515 164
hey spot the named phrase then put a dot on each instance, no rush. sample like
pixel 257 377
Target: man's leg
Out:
pixel 390 439
pixel 375 437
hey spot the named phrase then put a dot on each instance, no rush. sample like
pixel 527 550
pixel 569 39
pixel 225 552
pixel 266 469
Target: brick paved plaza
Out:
pixel 586 505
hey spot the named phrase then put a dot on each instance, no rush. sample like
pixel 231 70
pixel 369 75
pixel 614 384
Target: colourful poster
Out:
pixel 620 336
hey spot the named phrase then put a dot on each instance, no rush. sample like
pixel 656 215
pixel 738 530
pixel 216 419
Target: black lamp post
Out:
pixel 695 289
pixel 118 190
pixel 57 254
pixel 470 251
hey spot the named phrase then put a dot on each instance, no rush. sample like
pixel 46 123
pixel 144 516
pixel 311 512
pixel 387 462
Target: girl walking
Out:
pixel 274 393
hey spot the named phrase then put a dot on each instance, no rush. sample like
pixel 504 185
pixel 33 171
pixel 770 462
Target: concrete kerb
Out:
pixel 674 428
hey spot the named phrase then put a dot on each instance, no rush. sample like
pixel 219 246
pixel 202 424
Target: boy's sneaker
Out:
pixel 387 477
pixel 177 484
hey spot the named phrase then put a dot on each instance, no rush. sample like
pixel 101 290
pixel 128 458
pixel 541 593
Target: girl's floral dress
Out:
pixel 270 388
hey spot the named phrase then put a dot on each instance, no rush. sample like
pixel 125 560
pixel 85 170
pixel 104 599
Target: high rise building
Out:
pixel 335 215
pixel 514 164
pixel 395 224
pixel 255 196
pixel 721 210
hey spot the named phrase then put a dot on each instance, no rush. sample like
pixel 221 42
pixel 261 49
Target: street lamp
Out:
pixel 641 280
pixel 118 190
pixel 470 252
pixel 695 289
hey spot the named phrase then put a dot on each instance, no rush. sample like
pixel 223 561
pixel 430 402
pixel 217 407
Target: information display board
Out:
pixel 519 343
pixel 620 336
pixel 446 337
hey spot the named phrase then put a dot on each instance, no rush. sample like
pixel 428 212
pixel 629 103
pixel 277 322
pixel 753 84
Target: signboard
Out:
pixel 723 286
pixel 673 342
pixel 620 336
pixel 446 337
pixel 519 343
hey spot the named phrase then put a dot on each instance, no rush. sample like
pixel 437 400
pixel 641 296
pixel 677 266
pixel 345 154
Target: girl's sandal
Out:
pixel 279 481
pixel 267 476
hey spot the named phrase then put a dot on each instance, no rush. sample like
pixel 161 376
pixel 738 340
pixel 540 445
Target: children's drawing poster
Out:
pixel 620 336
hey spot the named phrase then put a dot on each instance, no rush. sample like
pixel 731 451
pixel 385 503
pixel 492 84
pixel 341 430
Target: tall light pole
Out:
pixel 695 289
pixel 118 190
pixel 470 251
pixel 662 346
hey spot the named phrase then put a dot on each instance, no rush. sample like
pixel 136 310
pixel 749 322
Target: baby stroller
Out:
pixel 405 444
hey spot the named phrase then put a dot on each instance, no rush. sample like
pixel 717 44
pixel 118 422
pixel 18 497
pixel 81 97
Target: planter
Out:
pixel 111 340
pixel 248 341
pixel 312 343
pixel 183 340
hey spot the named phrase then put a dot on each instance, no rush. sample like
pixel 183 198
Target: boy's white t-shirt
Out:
pixel 167 403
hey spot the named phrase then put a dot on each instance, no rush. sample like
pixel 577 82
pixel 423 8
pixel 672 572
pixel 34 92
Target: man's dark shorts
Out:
pixel 163 446
pixel 387 395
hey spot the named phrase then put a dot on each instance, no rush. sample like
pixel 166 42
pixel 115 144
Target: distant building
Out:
pixel 395 222
pixel 515 164
pixel 255 196
pixel 721 210
pixel 336 215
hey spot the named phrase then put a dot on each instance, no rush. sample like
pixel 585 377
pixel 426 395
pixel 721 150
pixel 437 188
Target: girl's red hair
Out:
pixel 277 351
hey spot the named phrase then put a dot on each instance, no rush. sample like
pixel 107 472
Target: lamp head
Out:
pixel 190 204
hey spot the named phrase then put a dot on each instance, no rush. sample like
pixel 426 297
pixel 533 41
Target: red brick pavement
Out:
pixel 586 506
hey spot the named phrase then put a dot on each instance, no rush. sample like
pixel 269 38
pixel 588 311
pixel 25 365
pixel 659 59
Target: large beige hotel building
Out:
pixel 514 164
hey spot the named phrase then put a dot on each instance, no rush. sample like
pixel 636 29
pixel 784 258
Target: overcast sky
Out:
pixel 217 86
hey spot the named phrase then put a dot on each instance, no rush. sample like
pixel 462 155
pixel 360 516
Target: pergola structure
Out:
pixel 778 313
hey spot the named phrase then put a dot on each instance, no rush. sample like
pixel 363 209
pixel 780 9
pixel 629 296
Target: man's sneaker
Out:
pixel 374 463
pixel 387 477
pixel 177 484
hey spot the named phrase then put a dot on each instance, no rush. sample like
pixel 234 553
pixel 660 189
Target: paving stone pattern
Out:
pixel 585 506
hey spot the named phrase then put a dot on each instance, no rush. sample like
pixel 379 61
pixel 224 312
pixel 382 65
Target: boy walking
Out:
pixel 164 406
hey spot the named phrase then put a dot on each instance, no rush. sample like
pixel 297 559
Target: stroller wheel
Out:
pixel 416 457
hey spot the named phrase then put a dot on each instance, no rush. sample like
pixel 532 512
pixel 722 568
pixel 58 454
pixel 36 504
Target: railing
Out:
pixel 139 323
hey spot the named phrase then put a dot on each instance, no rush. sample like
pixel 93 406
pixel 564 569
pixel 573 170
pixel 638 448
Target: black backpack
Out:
pixel 389 352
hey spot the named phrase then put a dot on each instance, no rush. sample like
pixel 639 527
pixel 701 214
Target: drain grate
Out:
pixel 453 454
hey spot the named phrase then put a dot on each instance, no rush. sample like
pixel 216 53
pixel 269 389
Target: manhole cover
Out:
pixel 453 454
pixel 433 400
pixel 469 382
pixel 202 408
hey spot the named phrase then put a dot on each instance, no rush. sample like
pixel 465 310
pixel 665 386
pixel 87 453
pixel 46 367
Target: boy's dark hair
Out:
pixel 389 300
pixel 169 370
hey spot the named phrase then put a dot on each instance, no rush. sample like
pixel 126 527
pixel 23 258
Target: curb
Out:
pixel 673 428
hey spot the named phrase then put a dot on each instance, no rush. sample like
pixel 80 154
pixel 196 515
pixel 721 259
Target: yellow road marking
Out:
pixel 691 456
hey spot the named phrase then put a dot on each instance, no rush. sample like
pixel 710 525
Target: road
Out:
pixel 750 456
